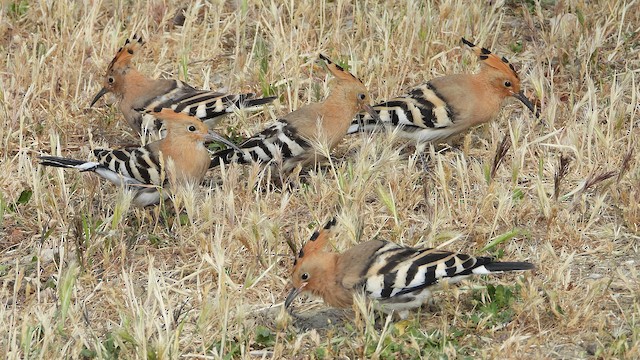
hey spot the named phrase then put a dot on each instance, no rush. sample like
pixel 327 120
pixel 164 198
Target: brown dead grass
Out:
pixel 85 275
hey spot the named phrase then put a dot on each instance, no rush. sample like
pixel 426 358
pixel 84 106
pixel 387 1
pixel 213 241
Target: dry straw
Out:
pixel 84 274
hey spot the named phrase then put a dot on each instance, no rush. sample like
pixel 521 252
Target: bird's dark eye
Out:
pixel 305 276
pixel 191 128
pixel 507 83
pixel 362 96
pixel 110 79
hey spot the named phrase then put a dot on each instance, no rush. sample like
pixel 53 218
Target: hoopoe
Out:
pixel 290 139
pixel 451 104
pixel 136 92
pixel 397 277
pixel 178 158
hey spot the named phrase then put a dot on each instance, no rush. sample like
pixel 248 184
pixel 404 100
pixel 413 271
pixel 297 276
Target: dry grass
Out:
pixel 85 275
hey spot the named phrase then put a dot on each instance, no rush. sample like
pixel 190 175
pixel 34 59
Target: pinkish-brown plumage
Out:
pixel 179 158
pixel 139 96
pixel 289 141
pixel 396 277
pixel 451 104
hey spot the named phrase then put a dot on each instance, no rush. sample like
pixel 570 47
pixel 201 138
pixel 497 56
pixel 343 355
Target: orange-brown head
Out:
pixel 313 266
pixel 500 74
pixel 352 89
pixel 118 68
pixel 182 125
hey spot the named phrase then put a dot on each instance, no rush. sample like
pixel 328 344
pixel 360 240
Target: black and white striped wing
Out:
pixel 119 167
pixel 399 270
pixel 279 140
pixel 421 115
pixel 133 165
pixel 204 104
pixel 93 166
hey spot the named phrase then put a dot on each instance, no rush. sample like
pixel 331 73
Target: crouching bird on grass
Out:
pixel 397 277
pixel 451 104
pixel 137 92
pixel 181 157
pixel 289 141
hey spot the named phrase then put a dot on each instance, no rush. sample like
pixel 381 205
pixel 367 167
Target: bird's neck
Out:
pixel 190 158
pixel 338 112
pixel 330 288
pixel 491 101
pixel 140 89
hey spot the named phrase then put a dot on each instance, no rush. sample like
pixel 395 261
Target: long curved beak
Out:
pixel 293 295
pixel 214 136
pixel 369 109
pixel 520 96
pixel 99 95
